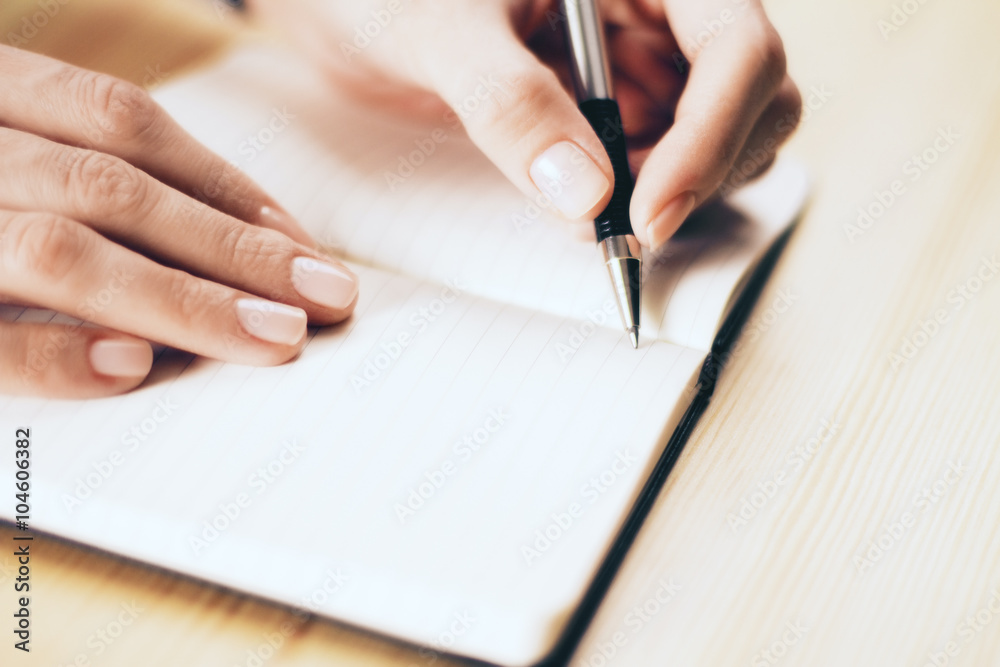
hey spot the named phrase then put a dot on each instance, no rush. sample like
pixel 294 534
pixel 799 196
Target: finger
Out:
pixel 64 361
pixel 640 53
pixel 643 120
pixel 773 128
pixel 131 207
pixel 731 81
pixel 66 266
pixel 82 108
pixel 517 112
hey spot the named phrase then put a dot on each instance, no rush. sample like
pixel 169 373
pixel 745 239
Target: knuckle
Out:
pixel 222 180
pixel 253 250
pixel 190 298
pixel 121 110
pixel 114 108
pixel 44 247
pixel 128 111
pixel 508 106
pixel 100 180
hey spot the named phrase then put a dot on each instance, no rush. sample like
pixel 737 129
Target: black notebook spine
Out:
pixel 722 348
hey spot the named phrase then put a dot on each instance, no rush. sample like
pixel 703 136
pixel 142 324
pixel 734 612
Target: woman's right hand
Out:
pixel 705 97
pixel 111 213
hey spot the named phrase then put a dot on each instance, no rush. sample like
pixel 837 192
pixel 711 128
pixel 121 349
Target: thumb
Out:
pixel 517 112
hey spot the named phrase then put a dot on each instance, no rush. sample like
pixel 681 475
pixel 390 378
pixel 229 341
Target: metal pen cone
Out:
pixel 625 270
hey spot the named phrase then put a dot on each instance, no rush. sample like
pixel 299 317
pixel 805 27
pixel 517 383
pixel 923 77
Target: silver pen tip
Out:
pixel 633 334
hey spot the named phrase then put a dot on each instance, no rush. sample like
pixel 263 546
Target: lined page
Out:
pixel 475 469
pixel 465 446
pixel 418 198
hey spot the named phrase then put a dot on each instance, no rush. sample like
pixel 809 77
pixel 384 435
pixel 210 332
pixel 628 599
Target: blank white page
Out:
pixel 345 171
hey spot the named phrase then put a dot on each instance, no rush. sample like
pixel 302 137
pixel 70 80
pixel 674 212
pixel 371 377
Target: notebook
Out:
pixel 454 464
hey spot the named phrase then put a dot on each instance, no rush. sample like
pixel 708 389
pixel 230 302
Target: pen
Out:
pixel 592 82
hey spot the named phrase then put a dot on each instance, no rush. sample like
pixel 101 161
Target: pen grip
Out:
pixel 606 119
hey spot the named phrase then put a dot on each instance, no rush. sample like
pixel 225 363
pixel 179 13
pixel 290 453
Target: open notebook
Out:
pixel 451 465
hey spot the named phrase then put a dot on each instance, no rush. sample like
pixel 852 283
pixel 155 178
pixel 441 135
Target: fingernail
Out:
pixel 663 226
pixel 324 284
pixel 121 358
pixel 275 218
pixel 272 322
pixel 570 178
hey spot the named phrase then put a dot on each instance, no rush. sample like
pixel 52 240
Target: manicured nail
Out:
pixel 121 358
pixel 275 218
pixel 663 226
pixel 323 283
pixel 273 322
pixel 570 178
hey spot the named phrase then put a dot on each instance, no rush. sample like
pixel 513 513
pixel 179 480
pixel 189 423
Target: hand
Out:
pixel 702 86
pixel 112 214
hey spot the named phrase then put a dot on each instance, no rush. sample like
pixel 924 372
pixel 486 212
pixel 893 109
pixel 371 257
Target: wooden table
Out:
pixel 839 503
